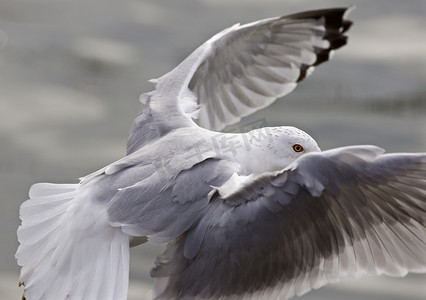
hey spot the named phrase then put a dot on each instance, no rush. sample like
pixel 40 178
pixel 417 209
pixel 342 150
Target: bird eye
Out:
pixel 298 148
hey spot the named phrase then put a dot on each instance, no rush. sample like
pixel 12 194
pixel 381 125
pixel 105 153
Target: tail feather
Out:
pixel 68 250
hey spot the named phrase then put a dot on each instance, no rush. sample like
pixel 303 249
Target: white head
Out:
pixel 274 148
pixel 291 142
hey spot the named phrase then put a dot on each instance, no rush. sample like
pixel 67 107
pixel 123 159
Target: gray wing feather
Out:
pixel 163 206
pixel 347 212
pixel 239 71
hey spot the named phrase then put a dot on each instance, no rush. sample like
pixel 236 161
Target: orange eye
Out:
pixel 298 148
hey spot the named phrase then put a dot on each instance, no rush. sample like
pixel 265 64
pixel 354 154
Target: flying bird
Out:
pixel 262 214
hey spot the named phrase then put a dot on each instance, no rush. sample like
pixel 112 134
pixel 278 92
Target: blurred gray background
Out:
pixel 71 73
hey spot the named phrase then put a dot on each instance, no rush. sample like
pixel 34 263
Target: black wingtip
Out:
pixel 335 26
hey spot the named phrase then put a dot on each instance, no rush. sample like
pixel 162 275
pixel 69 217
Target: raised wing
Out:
pixel 250 66
pixel 239 71
pixel 341 213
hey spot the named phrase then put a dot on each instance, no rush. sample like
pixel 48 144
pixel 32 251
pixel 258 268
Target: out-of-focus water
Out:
pixel 71 73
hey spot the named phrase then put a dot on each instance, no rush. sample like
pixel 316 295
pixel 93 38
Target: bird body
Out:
pixel 262 214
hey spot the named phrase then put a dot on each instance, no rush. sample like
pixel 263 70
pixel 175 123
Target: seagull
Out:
pixel 262 214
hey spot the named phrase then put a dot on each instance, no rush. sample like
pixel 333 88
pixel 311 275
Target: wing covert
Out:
pixel 163 205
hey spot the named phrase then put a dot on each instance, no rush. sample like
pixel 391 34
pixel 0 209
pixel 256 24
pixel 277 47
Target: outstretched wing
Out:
pixel 341 213
pixel 239 71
